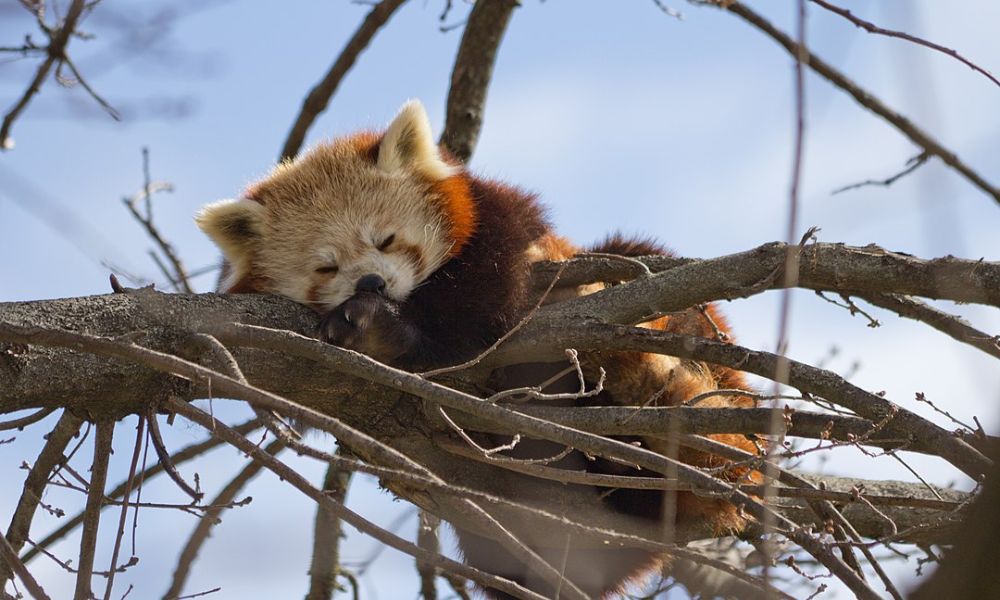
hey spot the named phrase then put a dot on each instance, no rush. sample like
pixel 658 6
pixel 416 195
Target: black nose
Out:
pixel 370 283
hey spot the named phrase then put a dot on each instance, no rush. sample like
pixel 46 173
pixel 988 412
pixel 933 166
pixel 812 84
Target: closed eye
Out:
pixel 386 243
pixel 328 270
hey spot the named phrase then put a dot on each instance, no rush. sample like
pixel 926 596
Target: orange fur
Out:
pixel 456 198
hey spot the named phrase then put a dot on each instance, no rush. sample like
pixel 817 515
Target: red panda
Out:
pixel 415 262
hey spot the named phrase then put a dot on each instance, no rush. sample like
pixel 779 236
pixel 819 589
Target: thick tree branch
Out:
pixel 547 344
pixel 35 376
pixel 470 77
pixel 34 485
pixel 952 325
pixel 8 557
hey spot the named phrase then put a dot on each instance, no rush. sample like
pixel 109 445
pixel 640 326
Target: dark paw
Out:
pixel 367 323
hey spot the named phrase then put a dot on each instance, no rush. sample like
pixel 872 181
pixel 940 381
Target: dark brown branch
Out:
pixel 319 96
pixel 470 77
pixel 428 526
pixel 26 420
pixel 211 518
pixel 952 325
pixel 9 559
pixel 865 98
pixel 872 28
pixel 324 567
pixel 164 455
pixel 181 456
pixel 56 52
pixel 34 485
pixel 970 568
pixel 92 513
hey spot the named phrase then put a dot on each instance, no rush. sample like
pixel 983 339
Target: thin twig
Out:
pixel 911 165
pixel 179 275
pixel 56 51
pixel 164 456
pixel 93 93
pixel 872 28
pixel 140 431
pixel 181 456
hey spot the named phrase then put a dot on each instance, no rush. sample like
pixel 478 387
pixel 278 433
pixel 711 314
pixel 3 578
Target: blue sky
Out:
pixel 617 115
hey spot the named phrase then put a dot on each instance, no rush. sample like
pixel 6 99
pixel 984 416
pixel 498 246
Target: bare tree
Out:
pixel 99 360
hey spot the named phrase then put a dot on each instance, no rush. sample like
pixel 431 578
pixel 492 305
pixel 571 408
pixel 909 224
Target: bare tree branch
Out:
pixel 865 98
pixel 211 518
pixel 181 456
pixel 470 77
pixel 26 420
pixel 8 556
pixel 319 96
pixel 92 514
pixel 952 325
pixel 325 567
pixel 428 527
pixel 56 52
pixel 873 28
pixel 911 165
pixel 178 276
pixel 34 485
pixel 828 385
pixel 291 476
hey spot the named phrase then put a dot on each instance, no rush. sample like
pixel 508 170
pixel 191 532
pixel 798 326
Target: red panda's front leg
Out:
pixel 371 324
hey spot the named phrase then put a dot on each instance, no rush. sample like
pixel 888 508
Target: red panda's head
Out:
pixel 388 205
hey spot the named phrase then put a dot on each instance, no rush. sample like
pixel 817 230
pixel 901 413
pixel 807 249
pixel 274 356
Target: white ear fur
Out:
pixel 409 145
pixel 235 226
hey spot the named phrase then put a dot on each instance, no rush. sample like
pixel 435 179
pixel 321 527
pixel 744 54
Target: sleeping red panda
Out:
pixel 418 263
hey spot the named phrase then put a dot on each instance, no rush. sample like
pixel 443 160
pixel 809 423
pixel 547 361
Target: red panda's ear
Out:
pixel 409 145
pixel 235 226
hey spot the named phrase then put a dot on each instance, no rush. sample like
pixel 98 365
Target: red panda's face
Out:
pixel 313 228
